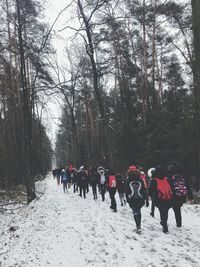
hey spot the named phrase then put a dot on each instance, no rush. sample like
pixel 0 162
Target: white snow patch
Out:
pixel 65 230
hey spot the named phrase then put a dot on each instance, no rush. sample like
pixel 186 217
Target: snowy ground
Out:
pixel 65 230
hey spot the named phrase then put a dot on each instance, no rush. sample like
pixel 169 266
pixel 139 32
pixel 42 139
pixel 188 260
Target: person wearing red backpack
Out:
pixel 181 191
pixel 160 189
pixel 112 188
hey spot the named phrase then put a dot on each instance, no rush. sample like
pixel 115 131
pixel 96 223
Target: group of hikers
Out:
pixel 166 188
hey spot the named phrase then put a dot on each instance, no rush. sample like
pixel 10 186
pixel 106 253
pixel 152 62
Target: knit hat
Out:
pixel 150 172
pixel 133 173
pixel 132 168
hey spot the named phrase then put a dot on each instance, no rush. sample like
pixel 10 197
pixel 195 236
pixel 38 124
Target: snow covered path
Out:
pixel 68 231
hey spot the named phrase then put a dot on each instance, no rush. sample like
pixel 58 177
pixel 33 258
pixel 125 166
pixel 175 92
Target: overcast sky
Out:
pixel 60 40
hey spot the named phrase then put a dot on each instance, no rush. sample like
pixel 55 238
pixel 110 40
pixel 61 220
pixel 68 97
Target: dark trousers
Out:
pixel 83 189
pixel 177 211
pixel 103 191
pixel 152 209
pixel 163 209
pixel 94 191
pixel 75 187
pixel 58 179
pixel 64 186
pixel 137 216
pixel 112 192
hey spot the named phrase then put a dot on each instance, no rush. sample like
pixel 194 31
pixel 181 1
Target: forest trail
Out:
pixel 65 230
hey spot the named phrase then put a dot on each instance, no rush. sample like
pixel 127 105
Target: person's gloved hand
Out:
pixel 147 203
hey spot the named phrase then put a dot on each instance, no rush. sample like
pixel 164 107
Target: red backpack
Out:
pixel 112 181
pixel 164 189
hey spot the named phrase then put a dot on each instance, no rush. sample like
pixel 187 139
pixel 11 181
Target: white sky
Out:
pixel 60 40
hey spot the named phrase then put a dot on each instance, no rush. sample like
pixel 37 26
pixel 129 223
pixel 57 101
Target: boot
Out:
pixel 138 230
pixel 165 227
pixel 137 219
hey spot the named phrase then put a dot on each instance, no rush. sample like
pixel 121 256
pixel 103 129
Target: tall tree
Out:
pixel 196 71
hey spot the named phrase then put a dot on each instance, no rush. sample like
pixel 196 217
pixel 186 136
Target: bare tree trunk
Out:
pixel 30 185
pixel 90 52
pixel 154 96
pixel 196 73
pixel 145 89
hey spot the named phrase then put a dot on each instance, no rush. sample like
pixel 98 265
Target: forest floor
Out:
pixel 65 230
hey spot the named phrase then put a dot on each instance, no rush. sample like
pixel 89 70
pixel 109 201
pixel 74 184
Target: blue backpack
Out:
pixel 64 177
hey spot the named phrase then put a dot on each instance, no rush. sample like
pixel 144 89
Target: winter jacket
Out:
pixel 135 202
pixel 82 178
pixel 58 172
pixel 65 176
pixel 74 177
pixel 93 179
pixel 120 184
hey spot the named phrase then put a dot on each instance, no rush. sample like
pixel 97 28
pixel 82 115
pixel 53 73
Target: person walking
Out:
pixel 64 179
pixel 160 189
pixel 93 180
pixel 181 191
pixel 74 179
pixel 58 175
pixel 82 181
pixel 112 188
pixel 54 173
pixel 153 196
pixel 121 188
pixel 136 195
pixel 102 181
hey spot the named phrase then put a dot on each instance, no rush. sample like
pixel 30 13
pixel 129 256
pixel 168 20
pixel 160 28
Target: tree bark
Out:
pixel 30 185
pixel 90 52
pixel 97 91
pixel 196 73
pixel 145 90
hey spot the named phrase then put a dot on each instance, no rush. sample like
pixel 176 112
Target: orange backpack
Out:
pixel 164 189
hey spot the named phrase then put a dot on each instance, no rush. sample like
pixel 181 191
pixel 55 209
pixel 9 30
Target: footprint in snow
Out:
pixel 129 237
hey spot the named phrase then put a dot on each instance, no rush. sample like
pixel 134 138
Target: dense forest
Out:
pixel 130 88
pixel 25 149
pixel 132 95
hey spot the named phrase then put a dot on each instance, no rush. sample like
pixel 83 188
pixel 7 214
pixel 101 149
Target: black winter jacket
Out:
pixel 132 201
pixel 120 184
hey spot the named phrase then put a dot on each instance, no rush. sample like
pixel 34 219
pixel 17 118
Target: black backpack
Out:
pixel 135 187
